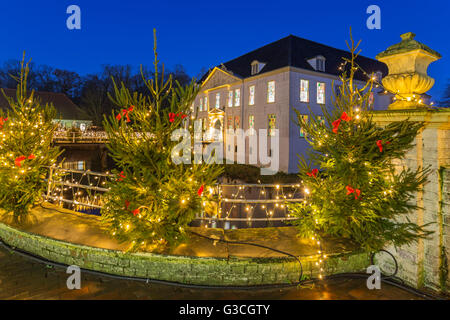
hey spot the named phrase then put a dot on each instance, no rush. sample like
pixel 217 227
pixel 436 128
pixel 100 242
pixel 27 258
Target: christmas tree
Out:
pixel 26 151
pixel 153 199
pixel 354 186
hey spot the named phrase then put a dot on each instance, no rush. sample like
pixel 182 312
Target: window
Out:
pixel 337 90
pixel 237 122
pixel 321 120
pixel 230 99
pixel 251 122
pixel 272 124
pixel 304 90
pixel 321 92
pixel 255 68
pixel 217 100
pixel 378 76
pixel 320 64
pixel 205 105
pixel 75 165
pixel 237 97
pixel 302 132
pixel 251 96
pixel 271 91
pixel 200 106
pixel 230 122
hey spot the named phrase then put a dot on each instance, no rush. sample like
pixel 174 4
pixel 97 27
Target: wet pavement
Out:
pixel 24 278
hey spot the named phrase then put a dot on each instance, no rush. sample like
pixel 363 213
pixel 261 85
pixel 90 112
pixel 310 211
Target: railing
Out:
pixel 240 205
pixel 80 137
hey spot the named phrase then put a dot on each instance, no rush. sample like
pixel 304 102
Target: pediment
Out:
pixel 216 111
pixel 217 78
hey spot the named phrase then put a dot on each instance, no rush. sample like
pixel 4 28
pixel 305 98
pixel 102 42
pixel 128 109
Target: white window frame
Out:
pixel 268 91
pixel 237 97
pixel 230 98
pixel 217 105
pixel 251 95
pixel 307 90
pixel 317 92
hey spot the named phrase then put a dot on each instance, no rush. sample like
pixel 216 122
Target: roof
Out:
pixel 295 52
pixel 65 108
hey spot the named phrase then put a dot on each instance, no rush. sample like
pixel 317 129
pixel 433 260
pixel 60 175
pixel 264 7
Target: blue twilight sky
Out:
pixel 201 34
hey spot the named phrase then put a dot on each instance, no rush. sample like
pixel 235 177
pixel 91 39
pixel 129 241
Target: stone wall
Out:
pixel 424 264
pixel 181 269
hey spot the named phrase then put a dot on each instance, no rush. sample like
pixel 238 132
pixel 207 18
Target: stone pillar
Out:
pixel 422 264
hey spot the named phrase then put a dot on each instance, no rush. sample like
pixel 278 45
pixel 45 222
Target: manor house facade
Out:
pixel 261 89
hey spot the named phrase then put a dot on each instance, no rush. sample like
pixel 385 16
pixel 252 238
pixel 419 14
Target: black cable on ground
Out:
pixel 194 286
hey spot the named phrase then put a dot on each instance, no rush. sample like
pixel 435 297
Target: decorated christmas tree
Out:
pixel 153 198
pixel 26 151
pixel 355 185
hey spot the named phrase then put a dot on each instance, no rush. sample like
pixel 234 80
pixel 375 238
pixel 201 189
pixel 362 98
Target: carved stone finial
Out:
pixel 408 61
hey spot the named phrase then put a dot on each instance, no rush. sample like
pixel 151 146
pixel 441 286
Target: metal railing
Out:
pixel 80 137
pixel 240 205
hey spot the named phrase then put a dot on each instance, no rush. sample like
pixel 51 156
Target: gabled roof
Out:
pixel 295 52
pixel 65 108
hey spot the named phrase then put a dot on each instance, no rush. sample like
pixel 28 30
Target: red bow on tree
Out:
pixel 125 113
pixel 18 161
pixel 122 176
pixel 127 204
pixel 135 212
pixel 350 190
pixel 2 122
pixel 337 122
pixel 172 116
pixel 380 144
pixel 200 190
pixel 313 173
pixel 345 117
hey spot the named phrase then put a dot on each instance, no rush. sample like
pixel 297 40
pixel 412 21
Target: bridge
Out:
pixel 86 137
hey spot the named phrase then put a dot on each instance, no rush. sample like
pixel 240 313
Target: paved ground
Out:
pixel 23 278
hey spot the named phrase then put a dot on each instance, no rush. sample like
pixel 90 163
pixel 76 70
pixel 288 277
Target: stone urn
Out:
pixel 408 61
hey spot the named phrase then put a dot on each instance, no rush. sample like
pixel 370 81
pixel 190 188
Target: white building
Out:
pixel 260 90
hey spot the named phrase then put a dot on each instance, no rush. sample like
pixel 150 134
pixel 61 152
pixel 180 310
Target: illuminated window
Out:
pixel 237 97
pixel 230 99
pixel 251 96
pixel 205 105
pixel 321 120
pixel 302 132
pixel 230 122
pixel 251 123
pixel 272 124
pixel 271 91
pixel 337 90
pixel 200 106
pixel 75 165
pixel 237 122
pixel 217 100
pixel 304 90
pixel 321 92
